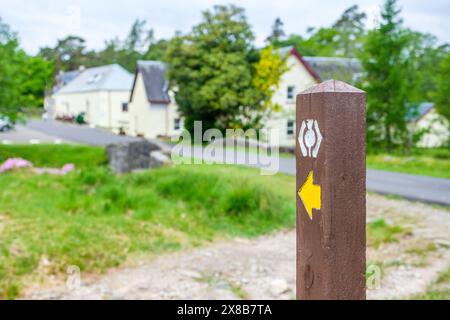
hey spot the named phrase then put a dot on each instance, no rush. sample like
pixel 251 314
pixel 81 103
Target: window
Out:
pixel 290 127
pixel 290 92
pixel 177 124
pixel 125 107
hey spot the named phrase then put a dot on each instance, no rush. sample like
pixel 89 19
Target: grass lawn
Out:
pixel 55 155
pixel 95 220
pixel 427 162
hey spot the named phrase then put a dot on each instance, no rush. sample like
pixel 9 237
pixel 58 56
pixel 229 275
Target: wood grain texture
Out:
pixel 331 248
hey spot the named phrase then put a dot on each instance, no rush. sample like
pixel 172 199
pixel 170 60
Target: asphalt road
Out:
pixel 413 187
pixel 24 135
pixel 76 133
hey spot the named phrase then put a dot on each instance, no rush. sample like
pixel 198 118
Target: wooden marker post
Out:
pixel 331 192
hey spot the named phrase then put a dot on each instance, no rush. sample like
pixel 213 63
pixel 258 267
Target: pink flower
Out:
pixel 68 168
pixel 15 163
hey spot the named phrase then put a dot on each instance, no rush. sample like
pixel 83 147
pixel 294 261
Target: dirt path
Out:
pixel 264 268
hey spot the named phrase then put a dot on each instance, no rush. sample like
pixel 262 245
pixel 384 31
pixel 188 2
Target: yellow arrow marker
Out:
pixel 311 195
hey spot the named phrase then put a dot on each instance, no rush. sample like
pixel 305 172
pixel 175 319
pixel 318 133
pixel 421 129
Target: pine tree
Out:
pixel 277 32
pixel 385 62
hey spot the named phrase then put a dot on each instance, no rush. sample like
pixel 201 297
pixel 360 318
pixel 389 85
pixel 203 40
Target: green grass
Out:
pixel 380 232
pixel 55 155
pixel 428 162
pixel 439 290
pixel 95 220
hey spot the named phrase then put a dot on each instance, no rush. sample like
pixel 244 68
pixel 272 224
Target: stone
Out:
pixel 190 274
pixel 158 159
pixel 278 287
pixel 136 155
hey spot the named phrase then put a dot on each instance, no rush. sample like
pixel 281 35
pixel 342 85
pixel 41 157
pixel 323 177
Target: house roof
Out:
pixel 290 50
pixel 64 78
pixel 416 113
pixel 154 77
pixel 105 78
pixel 343 69
pixel 326 68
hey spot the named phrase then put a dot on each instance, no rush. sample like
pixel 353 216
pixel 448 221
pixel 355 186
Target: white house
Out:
pixel 435 128
pixel 304 72
pixel 102 93
pixel 152 110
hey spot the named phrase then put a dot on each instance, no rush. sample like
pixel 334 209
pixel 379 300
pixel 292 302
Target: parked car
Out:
pixel 5 123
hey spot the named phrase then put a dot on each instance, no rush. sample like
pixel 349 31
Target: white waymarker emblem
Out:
pixel 310 138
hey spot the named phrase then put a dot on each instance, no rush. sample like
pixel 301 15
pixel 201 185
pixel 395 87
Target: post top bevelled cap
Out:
pixel 332 86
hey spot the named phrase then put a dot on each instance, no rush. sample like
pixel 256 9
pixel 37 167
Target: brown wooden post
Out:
pixel 331 192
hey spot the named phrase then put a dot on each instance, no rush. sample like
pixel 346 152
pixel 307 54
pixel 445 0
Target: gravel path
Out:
pixel 264 268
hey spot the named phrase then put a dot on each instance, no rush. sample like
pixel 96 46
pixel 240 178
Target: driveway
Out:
pixel 413 187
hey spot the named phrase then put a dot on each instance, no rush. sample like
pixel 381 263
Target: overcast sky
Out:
pixel 40 22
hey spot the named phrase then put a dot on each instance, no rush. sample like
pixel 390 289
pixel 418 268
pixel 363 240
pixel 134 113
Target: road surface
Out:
pixel 76 133
pixel 413 187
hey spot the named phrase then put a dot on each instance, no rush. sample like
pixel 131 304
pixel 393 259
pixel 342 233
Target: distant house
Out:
pixel 303 73
pixel 434 127
pixel 152 110
pixel 102 93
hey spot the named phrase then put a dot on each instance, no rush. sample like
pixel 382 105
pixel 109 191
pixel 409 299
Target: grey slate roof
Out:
pixel 343 69
pixel 417 112
pixel 330 68
pixel 155 82
pixel 64 78
pixel 105 78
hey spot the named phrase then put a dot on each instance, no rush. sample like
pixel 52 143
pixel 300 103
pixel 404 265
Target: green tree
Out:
pixel 23 79
pixel 277 32
pixel 342 39
pixel 157 50
pixel 68 54
pixel 385 61
pixel 441 95
pixel 350 30
pixel 214 70
pixel 36 76
pixel 138 44
pixel 9 82
pixel 135 45
pixel 425 57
